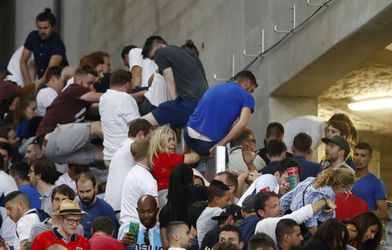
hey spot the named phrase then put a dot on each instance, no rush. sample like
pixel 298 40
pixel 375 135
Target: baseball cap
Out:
pixel 338 140
pixel 248 205
pixel 228 210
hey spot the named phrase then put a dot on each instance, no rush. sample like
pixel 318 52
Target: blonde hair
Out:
pixel 334 177
pixel 158 142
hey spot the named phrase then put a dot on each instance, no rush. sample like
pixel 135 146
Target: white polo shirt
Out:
pixel 24 226
pixel 119 167
pixel 138 182
pixel 117 109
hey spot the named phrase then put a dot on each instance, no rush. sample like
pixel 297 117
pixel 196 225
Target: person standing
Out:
pixel 46 45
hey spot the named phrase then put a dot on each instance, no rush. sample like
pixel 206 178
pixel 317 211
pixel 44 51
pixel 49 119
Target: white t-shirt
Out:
pixel 14 67
pixel 205 223
pixel 24 226
pixel 117 109
pixel 138 182
pixel 312 125
pixel 66 179
pixel 44 98
pixel 265 182
pixel 236 161
pixel 119 167
pixel 7 229
pixel 148 66
pixel 268 225
pixel 157 93
pixel 7 184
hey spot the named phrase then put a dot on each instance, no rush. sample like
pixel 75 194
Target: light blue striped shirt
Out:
pixel 305 193
pixel 154 235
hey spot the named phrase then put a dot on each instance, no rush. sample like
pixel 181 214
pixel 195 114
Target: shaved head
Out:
pixel 147 209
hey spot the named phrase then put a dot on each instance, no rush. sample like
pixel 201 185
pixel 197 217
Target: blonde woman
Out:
pixel 163 158
pixel 326 185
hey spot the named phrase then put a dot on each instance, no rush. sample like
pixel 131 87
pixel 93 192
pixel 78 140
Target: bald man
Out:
pixel 149 236
pixel 179 235
pixel 18 209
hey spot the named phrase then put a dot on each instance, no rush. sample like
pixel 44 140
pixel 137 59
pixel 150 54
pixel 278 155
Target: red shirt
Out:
pixel 65 108
pixel 48 238
pixel 103 242
pixel 163 167
pixel 349 206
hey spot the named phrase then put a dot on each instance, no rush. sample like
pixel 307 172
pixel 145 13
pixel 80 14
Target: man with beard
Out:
pixel 47 47
pixel 288 235
pixel 86 185
pixel 149 236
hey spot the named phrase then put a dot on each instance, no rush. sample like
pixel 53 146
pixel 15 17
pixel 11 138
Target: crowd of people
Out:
pixel 92 158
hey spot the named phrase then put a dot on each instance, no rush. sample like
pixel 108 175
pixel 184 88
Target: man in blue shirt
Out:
pixel 302 150
pixel 248 225
pixel 213 121
pixel 47 47
pixel 367 186
pixel 86 184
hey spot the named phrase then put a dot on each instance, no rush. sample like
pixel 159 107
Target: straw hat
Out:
pixel 69 207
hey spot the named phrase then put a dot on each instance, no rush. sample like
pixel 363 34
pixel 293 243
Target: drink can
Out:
pixel 134 230
pixel 293 174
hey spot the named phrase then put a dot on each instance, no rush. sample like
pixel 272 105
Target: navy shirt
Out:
pixel 307 168
pixel 98 208
pixel 270 168
pixel 43 50
pixel 247 228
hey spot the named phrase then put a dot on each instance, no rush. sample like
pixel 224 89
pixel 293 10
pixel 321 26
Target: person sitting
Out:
pixel 70 217
pixel 261 241
pixel 230 233
pixel 163 158
pixel 103 229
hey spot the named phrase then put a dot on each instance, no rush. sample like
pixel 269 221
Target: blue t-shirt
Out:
pixel 219 107
pixel 33 194
pixel 43 50
pixel 99 208
pixel 371 189
pixel 154 235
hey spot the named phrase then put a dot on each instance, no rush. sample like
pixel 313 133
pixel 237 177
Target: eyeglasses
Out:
pixel 72 221
pixel 146 238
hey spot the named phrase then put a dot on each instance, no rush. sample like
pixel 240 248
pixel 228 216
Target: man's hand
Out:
pixel 128 239
pixel 248 155
pixel 253 175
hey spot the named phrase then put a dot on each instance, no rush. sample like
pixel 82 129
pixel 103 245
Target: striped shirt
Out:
pixel 304 194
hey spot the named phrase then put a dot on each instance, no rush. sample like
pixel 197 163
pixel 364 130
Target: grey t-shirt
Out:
pixel 188 71
pixel 205 223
